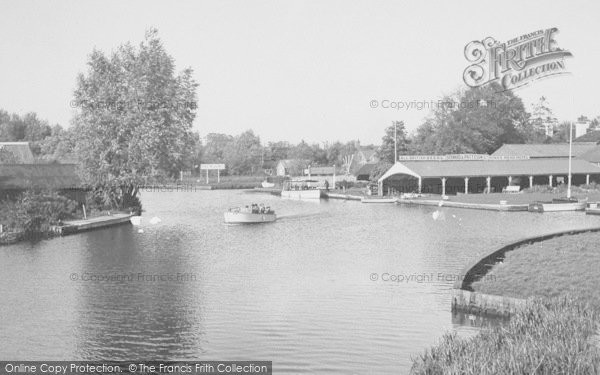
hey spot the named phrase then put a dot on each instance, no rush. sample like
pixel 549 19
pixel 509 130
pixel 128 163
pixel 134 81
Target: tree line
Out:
pixel 133 124
pixel 478 120
pixel 245 154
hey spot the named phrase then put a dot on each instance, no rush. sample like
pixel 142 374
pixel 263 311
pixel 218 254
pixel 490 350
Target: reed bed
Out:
pixel 558 266
pixel 550 336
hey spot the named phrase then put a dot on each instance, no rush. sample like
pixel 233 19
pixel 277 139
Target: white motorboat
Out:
pixel 267 184
pixel 378 200
pixel 558 205
pixel 254 214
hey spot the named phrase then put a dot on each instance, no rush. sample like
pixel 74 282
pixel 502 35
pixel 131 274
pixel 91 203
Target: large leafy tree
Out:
pixel 478 120
pixel 561 135
pixel 276 151
pixel 216 147
pixel 387 149
pixel 135 118
pixel 244 154
pixel 27 128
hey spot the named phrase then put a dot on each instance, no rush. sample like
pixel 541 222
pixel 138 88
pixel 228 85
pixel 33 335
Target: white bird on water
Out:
pixel 155 220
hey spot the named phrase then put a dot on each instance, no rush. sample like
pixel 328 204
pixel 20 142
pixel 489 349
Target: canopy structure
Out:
pixel 481 173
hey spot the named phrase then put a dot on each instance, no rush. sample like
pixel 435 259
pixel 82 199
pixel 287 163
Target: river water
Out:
pixel 331 287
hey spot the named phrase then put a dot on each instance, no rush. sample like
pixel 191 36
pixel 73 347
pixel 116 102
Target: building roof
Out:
pixel 593 155
pixel 20 150
pixel 490 167
pixel 593 136
pixel 550 150
pixel 366 169
pixel 293 162
pixel 45 176
pixel 368 152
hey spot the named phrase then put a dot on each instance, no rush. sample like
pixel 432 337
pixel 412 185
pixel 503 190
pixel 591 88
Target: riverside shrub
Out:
pixel 35 211
pixel 556 336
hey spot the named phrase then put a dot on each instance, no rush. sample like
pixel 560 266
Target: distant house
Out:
pixel 291 167
pixel 364 172
pixel 365 155
pixel 550 150
pixel 21 152
pixel 581 127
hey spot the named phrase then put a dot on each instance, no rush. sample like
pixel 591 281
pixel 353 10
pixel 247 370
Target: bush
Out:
pixel 547 337
pixel 108 197
pixel 379 170
pixel 344 184
pixel 35 211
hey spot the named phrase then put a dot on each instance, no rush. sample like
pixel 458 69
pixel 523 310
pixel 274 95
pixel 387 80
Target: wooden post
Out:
pixel 509 180
pixel 587 179
pixel 207 176
pixel 466 185
pixel 334 176
pixel 530 182
pixel 84 213
pixel 550 180
pixel 443 185
pixel 420 185
pixel 488 181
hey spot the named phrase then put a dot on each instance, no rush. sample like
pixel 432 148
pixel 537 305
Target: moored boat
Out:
pixel 593 208
pixel 253 214
pixel 301 189
pixel 267 184
pixel 558 205
pixel 378 200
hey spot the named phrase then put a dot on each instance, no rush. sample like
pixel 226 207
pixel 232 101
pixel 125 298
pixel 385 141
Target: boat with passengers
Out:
pixel 301 189
pixel 252 214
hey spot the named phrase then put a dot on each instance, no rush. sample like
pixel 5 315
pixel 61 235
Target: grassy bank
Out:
pixel 555 335
pixel 562 265
pixel 521 198
pixel 537 193
pixel 549 337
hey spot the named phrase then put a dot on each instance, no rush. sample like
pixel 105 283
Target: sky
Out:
pixel 294 70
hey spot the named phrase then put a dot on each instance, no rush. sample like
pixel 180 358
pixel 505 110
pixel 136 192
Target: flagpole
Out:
pixel 570 156
pixel 395 141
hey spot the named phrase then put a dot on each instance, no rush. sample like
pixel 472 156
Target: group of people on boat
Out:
pixel 257 209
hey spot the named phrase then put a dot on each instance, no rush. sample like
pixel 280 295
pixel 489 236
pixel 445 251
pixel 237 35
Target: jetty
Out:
pixel 76 226
pixel 475 206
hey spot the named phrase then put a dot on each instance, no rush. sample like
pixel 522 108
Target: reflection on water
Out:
pixel 299 292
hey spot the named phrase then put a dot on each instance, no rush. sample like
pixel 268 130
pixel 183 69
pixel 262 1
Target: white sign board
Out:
pixel 212 166
pixel 209 167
